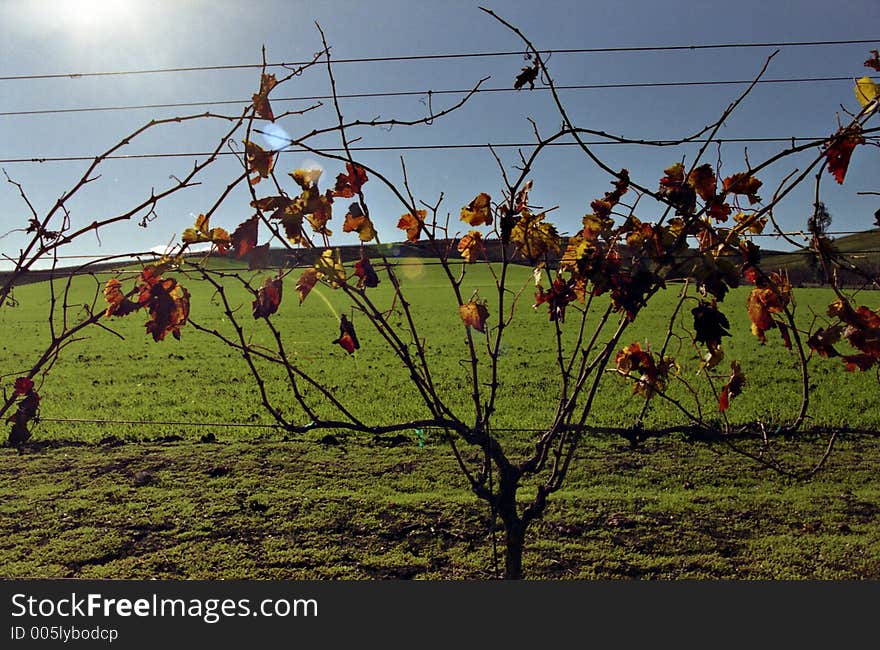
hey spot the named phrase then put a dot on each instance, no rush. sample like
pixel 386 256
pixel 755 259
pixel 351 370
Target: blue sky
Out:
pixel 44 37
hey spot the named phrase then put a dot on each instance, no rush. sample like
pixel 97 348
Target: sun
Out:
pixel 86 18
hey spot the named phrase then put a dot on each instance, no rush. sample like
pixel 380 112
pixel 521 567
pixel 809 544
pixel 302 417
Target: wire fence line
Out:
pixel 422 93
pixel 441 56
pixel 421 147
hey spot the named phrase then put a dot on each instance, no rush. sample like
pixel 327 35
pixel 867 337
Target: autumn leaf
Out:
pixel 602 207
pixel 347 338
pixel 702 179
pixel 118 303
pixel 413 224
pixel 306 178
pixel 479 211
pixel 823 339
pixel 350 184
pixel 366 274
pixel 674 189
pixel 750 223
pixel 652 375
pixel 261 99
pixel 470 246
pixel 357 221
pixel 276 205
pixel 557 298
pixel 527 76
pixel 168 304
pixel 710 325
pixel 319 210
pixel 534 238
pixel 292 222
pixel 861 361
pixel 764 301
pixel 202 233
pixel 26 411
pixel 521 202
pixel 306 283
pixel 717 209
pixel 733 387
pixel 866 91
pixel 244 237
pixel 839 148
pixel 474 314
pixel 330 269
pixel 260 162
pixel 268 297
pixel 23 385
pixel 744 184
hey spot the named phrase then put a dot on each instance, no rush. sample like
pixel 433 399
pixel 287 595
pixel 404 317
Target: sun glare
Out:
pixel 86 18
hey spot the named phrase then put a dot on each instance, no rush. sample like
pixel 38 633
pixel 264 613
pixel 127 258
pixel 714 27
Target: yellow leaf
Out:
pixel 535 239
pixel 479 211
pixel 474 314
pixel 866 91
pixel 470 246
pixel 329 267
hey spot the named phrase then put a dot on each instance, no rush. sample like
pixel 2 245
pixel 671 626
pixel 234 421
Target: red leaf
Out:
pixel 861 361
pixel 733 387
pixel 244 239
pixel 348 185
pixel 23 386
pixel 874 61
pixel 261 99
pixel 838 151
pixel 347 338
pixel 268 298
pixel 365 272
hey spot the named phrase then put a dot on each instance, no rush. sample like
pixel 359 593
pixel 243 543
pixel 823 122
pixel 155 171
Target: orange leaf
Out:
pixel 119 304
pixel 743 183
pixel 244 238
pixel 479 211
pixel 470 246
pixel 413 224
pixel 474 314
pixel 357 221
pixel 306 283
pixel 268 298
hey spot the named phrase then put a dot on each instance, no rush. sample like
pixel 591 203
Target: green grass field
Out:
pixel 152 501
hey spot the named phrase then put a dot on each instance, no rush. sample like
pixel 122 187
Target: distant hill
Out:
pixel 863 249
